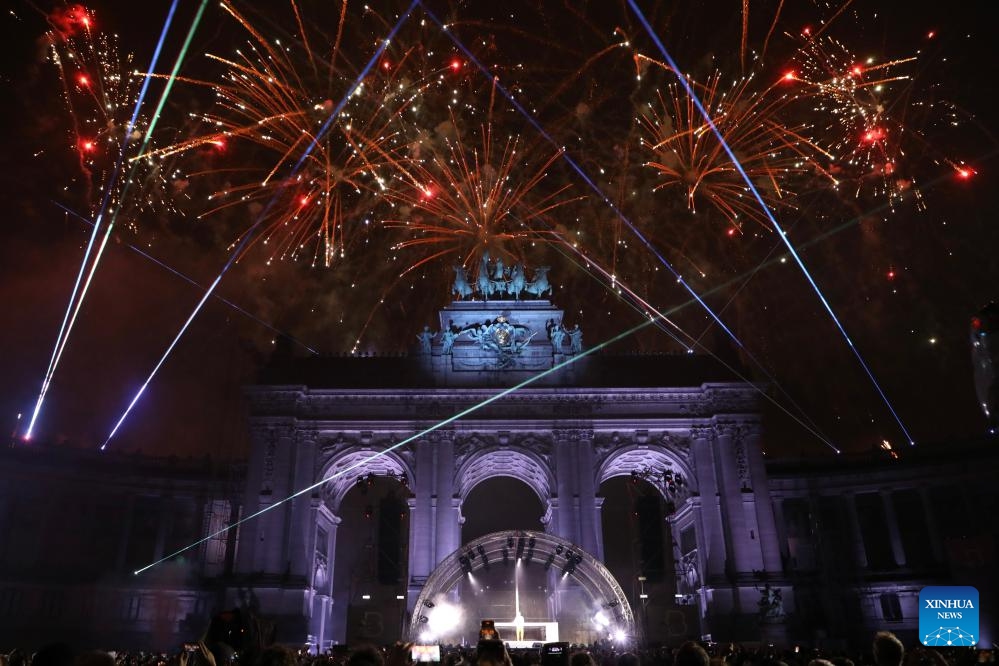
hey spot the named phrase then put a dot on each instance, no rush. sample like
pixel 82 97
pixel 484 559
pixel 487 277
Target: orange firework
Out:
pixel 463 201
pixel 688 156
pixel 302 174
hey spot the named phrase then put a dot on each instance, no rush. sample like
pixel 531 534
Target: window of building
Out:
pixel 891 607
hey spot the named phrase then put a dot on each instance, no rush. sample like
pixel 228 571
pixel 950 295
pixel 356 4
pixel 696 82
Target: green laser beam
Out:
pixel 451 419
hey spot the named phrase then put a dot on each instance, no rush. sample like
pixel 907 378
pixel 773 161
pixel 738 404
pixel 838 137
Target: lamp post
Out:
pixel 643 599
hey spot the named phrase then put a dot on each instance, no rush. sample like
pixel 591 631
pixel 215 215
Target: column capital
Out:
pixel 327 514
pixel 737 430
pixel 702 432
pixel 308 434
pixel 572 435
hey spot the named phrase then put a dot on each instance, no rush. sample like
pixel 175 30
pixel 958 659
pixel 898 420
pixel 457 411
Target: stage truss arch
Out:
pixel 590 573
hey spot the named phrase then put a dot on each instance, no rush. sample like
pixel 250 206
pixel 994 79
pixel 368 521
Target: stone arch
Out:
pixel 342 470
pixel 626 459
pixel 524 466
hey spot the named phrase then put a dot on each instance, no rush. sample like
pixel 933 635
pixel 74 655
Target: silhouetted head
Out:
pixel 888 650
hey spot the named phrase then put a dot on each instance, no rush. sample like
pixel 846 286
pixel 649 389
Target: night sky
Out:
pixel 903 247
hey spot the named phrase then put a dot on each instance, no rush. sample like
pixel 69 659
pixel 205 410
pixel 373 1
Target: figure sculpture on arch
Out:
pixel 576 340
pixel 426 339
pixel 517 281
pixel 557 335
pixel 483 283
pixel 448 336
pixel 540 285
pixel 461 286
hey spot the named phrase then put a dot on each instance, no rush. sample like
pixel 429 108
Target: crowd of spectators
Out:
pixel 886 650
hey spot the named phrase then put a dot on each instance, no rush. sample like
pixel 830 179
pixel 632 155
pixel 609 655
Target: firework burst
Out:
pixel 306 176
pixel 101 89
pixel 688 156
pixel 466 201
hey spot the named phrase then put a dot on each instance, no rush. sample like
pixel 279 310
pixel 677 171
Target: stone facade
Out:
pixel 444 422
pixel 75 525
pixel 817 552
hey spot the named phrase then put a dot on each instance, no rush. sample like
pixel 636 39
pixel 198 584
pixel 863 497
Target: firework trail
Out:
pixel 466 202
pixel 95 68
pixel 687 155
pixel 272 103
pixel 777 227
pixel 335 116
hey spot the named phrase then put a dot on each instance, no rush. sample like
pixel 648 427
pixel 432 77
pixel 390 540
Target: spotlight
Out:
pixel 506 555
pixel 470 554
pixel 559 549
pixel 466 566
pixel 482 551
pixel 548 562
pixel 520 547
pixel 509 542
pixel 428 603
pixel 444 619
pixel 530 543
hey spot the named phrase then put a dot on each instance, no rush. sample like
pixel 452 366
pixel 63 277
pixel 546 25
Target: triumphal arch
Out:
pixel 501 385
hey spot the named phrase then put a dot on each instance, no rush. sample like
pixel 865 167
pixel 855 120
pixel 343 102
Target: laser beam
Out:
pixel 63 332
pixel 437 426
pixel 263 214
pixel 142 253
pixel 770 216
pixel 617 211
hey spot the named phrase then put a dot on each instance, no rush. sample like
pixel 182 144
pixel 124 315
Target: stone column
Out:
pixel 448 529
pixel 769 534
pixel 779 520
pixel 322 602
pixel 567 525
pixel 598 517
pixel 897 550
pixel 332 522
pixel 711 537
pixel 302 529
pixel 931 525
pixel 126 532
pixel 589 524
pixel 269 543
pixel 856 534
pixel 163 526
pixel 737 535
pixel 421 519
pixel 259 475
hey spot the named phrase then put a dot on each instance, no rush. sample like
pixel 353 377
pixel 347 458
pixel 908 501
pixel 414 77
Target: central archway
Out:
pixel 536 580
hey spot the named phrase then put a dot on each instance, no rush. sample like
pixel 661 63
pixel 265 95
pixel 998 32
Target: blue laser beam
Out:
pixel 437 426
pixel 131 175
pixel 260 218
pixel 617 211
pixel 770 216
pixel 643 307
pixel 192 281
pixel 63 332
pixel 821 237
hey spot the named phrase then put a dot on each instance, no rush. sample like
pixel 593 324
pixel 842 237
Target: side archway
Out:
pixel 343 470
pixel 635 458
